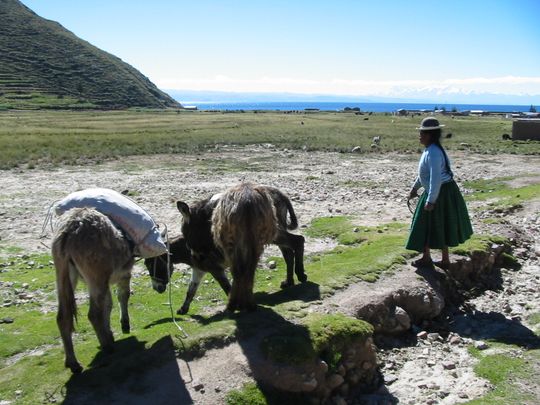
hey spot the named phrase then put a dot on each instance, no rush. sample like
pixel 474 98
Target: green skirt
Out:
pixel 447 225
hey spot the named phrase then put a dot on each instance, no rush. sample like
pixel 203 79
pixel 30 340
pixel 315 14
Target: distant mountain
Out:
pixel 421 96
pixel 43 65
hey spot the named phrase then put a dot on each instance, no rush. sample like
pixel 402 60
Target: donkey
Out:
pixel 179 253
pixel 87 245
pixel 204 256
pixel 231 229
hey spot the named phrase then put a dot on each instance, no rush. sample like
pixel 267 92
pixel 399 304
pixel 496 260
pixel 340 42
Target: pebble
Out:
pixel 197 385
pixel 449 365
pixel 481 345
pixel 422 335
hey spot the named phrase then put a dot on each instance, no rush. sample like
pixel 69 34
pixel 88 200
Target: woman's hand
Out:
pixel 429 206
pixel 413 194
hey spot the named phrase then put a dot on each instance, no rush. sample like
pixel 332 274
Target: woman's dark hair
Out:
pixel 435 137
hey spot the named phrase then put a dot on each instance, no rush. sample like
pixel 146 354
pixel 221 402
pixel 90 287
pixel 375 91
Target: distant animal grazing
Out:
pixel 448 135
pixel 87 245
pixel 506 137
pixel 232 228
pixel 365 119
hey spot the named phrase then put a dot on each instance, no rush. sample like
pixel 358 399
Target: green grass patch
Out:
pixel 505 373
pixel 500 195
pixel 249 394
pixel 317 335
pixel 478 243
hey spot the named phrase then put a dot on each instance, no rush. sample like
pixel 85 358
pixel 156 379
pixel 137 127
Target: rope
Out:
pixel 185 335
pixel 48 220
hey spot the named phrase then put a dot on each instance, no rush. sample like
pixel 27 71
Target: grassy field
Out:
pixel 68 137
pixel 30 348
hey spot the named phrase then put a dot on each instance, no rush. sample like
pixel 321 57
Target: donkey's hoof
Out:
pixel 182 311
pixel 302 278
pixel 286 284
pixel 75 367
pixel 125 327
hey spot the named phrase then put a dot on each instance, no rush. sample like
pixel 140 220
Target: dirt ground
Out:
pixel 372 188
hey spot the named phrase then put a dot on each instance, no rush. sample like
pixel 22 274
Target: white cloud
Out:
pixel 508 85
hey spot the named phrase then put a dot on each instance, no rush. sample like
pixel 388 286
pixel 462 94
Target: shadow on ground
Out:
pixel 133 374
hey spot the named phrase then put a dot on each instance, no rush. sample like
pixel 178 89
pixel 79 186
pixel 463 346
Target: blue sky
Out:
pixel 383 48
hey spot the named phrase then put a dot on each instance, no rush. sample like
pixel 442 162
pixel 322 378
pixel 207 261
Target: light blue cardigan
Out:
pixel 432 172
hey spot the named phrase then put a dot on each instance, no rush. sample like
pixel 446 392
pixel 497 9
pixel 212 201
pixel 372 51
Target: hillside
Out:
pixel 43 65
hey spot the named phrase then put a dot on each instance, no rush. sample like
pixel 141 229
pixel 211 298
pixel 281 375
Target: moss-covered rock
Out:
pixel 319 355
pixel 318 335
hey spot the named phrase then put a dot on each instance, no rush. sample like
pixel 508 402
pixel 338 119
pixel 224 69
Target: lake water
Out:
pixel 336 106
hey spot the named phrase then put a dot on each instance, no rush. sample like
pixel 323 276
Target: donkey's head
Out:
pixel 157 269
pixel 197 231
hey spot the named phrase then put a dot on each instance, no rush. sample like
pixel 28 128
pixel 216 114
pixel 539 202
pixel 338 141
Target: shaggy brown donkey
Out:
pixel 232 228
pixel 291 246
pixel 87 245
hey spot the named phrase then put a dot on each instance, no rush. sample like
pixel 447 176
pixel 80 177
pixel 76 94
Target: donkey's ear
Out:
pixel 184 210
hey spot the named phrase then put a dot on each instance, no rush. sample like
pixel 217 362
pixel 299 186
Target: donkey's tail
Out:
pixel 67 307
pixel 293 223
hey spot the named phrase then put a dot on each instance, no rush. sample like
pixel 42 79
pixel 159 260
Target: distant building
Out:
pixel 525 129
pixel 190 107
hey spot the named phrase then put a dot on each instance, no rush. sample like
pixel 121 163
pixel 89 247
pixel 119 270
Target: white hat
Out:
pixel 429 123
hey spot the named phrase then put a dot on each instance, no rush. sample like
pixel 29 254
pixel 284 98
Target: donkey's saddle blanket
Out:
pixel 125 213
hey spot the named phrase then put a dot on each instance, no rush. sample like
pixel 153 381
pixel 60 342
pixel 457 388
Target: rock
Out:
pixel 334 381
pixel 449 365
pixel 455 340
pixel 356 149
pixel 390 379
pixel 481 345
pixel 422 335
pixel 341 370
pixel 338 400
pixel 309 385
pixel 6 320
pixel 197 385
pixel 432 337
pixel 403 318
pixel 272 264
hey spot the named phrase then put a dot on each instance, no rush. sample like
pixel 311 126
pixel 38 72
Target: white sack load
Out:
pixel 130 217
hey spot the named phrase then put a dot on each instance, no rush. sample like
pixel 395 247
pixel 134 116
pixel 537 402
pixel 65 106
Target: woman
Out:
pixel 441 219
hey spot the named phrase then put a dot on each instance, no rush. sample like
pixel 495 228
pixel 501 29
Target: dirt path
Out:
pixel 371 188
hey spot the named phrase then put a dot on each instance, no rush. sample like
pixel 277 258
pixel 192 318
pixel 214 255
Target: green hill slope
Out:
pixel 43 65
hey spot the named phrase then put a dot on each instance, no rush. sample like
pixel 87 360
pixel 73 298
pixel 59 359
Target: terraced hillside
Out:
pixel 43 65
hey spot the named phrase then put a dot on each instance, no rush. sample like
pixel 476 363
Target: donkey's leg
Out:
pixel 288 255
pixel 298 242
pixel 99 314
pixel 196 277
pixel 123 298
pixel 66 312
pixel 243 270
pixel 219 275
